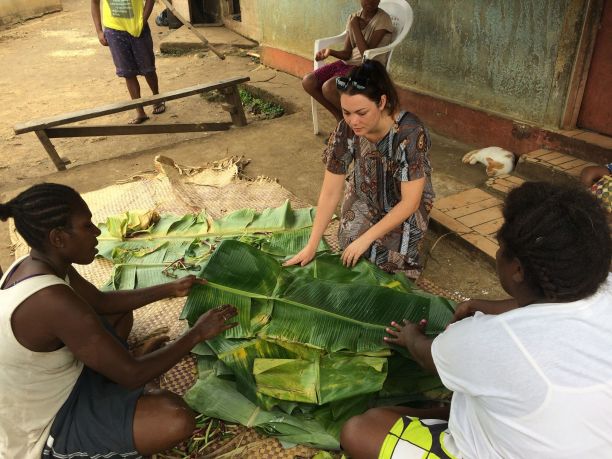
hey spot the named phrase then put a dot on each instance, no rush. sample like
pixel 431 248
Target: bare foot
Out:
pixel 138 120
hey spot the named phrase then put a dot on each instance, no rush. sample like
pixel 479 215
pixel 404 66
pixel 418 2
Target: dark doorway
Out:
pixel 205 12
pixel 235 13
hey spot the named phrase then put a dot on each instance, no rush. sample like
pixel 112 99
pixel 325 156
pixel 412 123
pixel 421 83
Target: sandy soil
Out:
pixel 55 64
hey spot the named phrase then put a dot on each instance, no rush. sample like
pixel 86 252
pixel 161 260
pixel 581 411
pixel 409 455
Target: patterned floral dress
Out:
pixel 374 175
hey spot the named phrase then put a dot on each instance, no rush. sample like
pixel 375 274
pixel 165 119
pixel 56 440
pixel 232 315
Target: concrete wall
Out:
pixel 508 57
pixel 251 25
pixel 14 11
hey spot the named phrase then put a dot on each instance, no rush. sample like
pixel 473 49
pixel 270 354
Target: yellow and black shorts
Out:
pixel 414 438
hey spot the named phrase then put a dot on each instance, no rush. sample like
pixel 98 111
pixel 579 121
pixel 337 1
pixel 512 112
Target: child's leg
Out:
pixel 313 84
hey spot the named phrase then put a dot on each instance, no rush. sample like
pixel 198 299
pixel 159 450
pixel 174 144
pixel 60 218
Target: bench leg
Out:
pixel 232 98
pixel 60 164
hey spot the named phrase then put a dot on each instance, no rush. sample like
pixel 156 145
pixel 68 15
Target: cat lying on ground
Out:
pixel 497 160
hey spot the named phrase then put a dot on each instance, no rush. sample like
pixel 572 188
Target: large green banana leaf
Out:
pixel 219 398
pixel 310 339
pixel 308 352
pixel 144 246
pixel 325 314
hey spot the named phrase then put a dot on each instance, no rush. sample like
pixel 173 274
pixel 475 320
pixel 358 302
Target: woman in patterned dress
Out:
pixel 381 153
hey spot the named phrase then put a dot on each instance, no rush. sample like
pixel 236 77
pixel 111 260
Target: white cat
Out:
pixel 497 160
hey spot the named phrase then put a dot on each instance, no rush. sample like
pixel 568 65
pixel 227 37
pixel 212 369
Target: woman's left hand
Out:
pixel 353 252
pixel 182 286
pixel 403 335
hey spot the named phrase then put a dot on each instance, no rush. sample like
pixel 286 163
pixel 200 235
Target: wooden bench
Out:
pixel 46 128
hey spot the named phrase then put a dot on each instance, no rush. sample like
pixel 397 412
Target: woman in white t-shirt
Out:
pixel 531 375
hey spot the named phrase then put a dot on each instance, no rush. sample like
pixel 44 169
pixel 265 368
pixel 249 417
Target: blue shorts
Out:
pixel 96 421
pixel 132 55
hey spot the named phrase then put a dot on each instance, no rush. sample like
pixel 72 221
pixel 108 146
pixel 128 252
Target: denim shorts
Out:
pixel 96 421
pixel 132 55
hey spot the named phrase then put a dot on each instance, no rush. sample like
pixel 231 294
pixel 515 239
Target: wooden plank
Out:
pixel 89 113
pixel 60 164
pixel 490 228
pixel 232 98
pixel 192 29
pixel 482 243
pixel 134 129
pixel 483 216
pixel 448 222
pixel 471 208
pixel 464 198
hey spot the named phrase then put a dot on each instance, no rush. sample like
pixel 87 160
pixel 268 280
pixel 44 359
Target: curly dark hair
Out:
pixel 39 209
pixel 377 82
pixel 560 235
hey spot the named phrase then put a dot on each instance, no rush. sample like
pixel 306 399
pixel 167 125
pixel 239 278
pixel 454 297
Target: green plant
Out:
pixel 261 108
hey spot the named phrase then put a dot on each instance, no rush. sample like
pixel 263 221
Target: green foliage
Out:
pixel 262 108
pixel 148 250
pixel 309 345
pixel 308 352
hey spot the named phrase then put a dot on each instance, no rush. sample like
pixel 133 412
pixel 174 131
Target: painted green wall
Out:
pixel 510 57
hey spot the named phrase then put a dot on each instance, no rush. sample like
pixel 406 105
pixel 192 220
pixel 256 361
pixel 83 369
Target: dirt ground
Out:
pixel 55 64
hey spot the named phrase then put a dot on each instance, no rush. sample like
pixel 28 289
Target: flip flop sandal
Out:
pixel 159 108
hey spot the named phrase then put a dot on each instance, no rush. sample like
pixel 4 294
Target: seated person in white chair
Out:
pixel 371 27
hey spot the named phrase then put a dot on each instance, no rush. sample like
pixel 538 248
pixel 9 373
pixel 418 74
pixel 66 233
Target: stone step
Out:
pixel 551 166
pixel 473 215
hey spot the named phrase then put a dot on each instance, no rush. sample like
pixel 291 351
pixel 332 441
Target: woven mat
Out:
pixel 218 188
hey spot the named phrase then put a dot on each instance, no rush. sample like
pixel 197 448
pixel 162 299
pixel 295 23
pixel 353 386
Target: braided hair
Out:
pixel 560 235
pixel 39 209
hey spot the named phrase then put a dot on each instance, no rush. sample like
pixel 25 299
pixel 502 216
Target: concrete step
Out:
pixel 473 215
pixel 550 166
pixel 183 40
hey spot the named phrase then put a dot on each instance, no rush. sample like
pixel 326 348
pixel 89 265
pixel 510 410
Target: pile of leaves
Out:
pixel 308 352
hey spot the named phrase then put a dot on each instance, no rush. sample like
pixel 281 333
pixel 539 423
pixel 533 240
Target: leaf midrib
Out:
pixel 299 305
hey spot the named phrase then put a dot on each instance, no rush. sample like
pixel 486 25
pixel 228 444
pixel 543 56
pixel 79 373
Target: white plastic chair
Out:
pixel 401 16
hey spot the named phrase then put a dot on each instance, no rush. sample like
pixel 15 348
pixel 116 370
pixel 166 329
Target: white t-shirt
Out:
pixel 535 382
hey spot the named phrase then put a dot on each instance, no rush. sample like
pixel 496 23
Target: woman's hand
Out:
pixel 469 307
pixel 214 322
pixel 404 335
pixel 323 54
pixel 182 286
pixel 302 258
pixel 353 252
pixel 464 309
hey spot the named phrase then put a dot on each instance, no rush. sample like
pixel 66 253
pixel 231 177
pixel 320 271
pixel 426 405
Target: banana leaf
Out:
pixel 308 351
pixel 318 313
pixel 147 249
pixel 219 398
